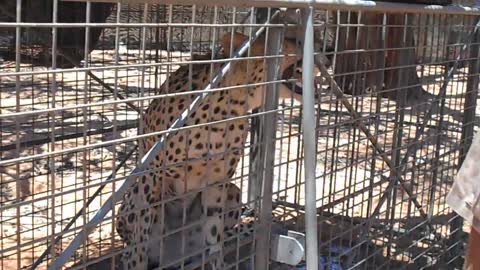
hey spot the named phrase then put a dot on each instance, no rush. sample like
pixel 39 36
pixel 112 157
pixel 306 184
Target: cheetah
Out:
pixel 197 162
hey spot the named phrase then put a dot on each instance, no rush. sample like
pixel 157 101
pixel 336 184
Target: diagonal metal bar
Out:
pixel 150 155
pixel 373 140
pixel 83 209
pixel 413 146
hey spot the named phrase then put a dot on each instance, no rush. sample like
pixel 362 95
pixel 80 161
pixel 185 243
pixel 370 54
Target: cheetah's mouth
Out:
pixel 290 73
pixel 297 89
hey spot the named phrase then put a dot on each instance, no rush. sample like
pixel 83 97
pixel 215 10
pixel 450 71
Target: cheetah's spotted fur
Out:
pixel 194 158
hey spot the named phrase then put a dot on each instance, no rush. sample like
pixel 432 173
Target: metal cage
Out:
pixel 344 163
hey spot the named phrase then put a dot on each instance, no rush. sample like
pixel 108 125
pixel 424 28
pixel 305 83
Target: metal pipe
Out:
pixel 309 145
pixel 146 160
pixel 267 157
pixel 343 5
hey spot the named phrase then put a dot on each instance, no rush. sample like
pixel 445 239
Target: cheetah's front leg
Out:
pixel 213 199
pixel 134 222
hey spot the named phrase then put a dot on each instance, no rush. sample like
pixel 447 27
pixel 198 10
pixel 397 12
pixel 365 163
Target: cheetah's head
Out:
pixel 290 63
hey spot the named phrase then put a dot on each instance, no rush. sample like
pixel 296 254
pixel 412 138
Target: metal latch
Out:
pixel 288 249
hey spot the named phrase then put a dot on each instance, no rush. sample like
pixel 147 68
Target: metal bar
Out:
pixel 122 140
pixel 84 153
pixel 254 184
pixel 52 115
pixel 146 160
pixel 152 97
pixel 18 33
pixel 343 5
pixel 401 98
pixel 309 145
pixel 274 45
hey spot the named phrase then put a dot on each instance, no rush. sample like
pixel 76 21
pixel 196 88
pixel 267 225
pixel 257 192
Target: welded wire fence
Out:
pixel 197 112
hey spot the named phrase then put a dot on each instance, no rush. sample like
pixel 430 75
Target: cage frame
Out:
pixel 308 7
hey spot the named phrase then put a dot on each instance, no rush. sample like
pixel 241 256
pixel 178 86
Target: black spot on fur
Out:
pixel 211 211
pixel 214 230
pixel 205 107
pixel 199 146
pixel 131 217
pixel 146 189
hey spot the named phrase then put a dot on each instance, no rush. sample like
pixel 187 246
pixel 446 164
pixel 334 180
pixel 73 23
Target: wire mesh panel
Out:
pixel 388 151
pixel 148 136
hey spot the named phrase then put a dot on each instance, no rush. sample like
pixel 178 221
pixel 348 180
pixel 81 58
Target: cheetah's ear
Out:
pixel 237 39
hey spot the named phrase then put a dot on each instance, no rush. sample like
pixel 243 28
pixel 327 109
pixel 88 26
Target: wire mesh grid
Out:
pixel 395 110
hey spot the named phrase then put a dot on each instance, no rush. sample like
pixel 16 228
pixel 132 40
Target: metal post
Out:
pixel 308 123
pixel 267 152
pixel 254 179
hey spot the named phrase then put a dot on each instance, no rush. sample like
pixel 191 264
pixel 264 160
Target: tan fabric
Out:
pixel 464 197
pixel 472 258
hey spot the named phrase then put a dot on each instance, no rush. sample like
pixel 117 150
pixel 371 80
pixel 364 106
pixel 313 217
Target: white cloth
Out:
pixel 464 197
